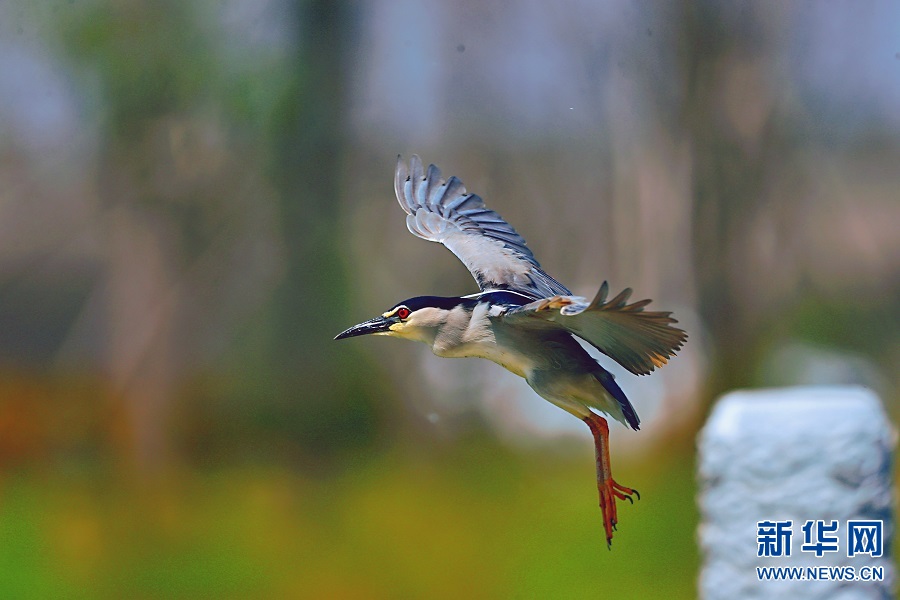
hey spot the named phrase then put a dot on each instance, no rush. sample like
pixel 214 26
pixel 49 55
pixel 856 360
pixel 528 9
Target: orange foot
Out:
pixel 609 492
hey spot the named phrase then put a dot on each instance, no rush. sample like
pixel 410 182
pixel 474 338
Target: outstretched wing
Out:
pixel 442 211
pixel 637 339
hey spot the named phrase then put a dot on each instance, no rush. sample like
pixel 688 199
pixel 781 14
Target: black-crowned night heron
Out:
pixel 523 319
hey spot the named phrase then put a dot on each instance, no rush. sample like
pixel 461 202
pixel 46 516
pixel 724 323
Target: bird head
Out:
pixel 414 319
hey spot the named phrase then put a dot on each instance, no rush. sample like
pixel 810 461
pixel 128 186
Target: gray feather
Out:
pixel 443 211
pixel 638 340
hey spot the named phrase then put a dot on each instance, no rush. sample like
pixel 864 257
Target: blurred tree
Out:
pixel 329 394
pixel 153 67
pixel 731 154
pixel 175 220
pixel 185 218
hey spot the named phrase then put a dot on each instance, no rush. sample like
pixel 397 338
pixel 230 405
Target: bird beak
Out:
pixel 376 325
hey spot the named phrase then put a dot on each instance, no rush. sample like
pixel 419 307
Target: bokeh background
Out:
pixel 195 197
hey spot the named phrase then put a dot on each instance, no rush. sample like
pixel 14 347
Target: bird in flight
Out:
pixel 523 319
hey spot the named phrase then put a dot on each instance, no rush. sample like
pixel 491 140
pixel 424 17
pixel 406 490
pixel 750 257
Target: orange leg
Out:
pixel 608 488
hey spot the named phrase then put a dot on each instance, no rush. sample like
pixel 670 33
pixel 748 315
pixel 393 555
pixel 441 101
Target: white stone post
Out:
pixel 769 457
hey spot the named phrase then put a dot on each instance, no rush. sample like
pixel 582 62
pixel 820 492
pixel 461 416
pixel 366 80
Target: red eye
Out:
pixel 402 312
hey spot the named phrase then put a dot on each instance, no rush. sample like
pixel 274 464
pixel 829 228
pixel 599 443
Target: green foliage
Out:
pixel 475 521
pixel 862 325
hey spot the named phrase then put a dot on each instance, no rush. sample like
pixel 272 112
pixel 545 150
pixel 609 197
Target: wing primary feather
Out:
pixel 472 201
pixel 476 212
pixel 409 195
pixel 419 182
pixel 509 239
pixel 436 188
pixel 455 188
pixel 639 340
pixel 600 298
pixel 448 206
pixel 489 222
pixel 422 191
pixel 443 211
pixel 639 305
pixel 401 175
pixel 415 167
pixel 620 300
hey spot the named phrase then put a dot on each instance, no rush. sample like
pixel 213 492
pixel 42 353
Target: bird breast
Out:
pixel 471 335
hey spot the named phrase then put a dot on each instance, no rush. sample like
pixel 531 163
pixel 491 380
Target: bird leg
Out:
pixel 608 488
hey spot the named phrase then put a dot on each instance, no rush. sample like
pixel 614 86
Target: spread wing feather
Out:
pixel 443 211
pixel 638 340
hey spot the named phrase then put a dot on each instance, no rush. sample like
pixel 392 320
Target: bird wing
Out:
pixel 442 211
pixel 637 339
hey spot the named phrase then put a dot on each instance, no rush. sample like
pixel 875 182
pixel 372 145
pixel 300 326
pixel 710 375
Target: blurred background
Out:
pixel 196 197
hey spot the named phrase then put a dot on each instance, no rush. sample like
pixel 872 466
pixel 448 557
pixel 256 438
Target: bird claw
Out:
pixel 624 493
pixel 609 492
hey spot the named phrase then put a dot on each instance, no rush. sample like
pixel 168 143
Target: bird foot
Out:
pixel 609 492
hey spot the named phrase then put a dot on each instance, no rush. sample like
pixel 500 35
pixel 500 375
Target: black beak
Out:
pixel 376 325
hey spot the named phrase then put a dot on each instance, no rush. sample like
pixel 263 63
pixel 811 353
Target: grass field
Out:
pixel 472 520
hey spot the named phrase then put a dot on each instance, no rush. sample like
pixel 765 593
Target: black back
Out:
pixel 450 302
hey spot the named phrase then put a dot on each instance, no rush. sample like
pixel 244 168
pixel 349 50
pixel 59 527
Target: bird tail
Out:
pixel 608 382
